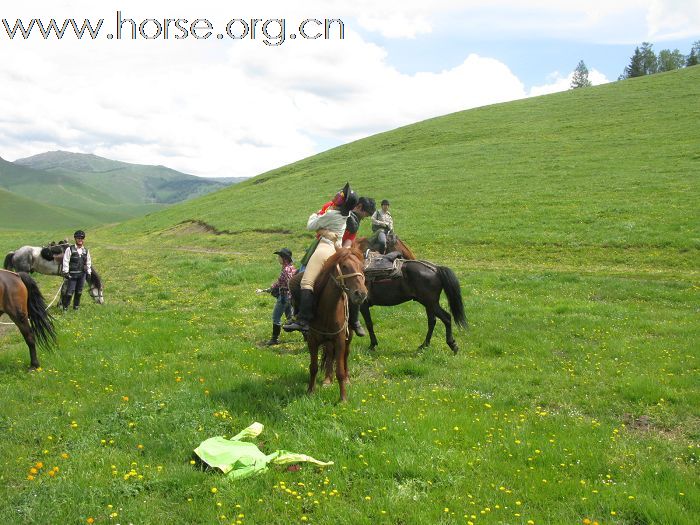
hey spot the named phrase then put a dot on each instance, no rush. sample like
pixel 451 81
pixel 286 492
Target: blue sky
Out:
pixel 532 60
pixel 225 107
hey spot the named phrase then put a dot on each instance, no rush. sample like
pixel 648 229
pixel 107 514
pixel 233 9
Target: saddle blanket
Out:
pixel 378 266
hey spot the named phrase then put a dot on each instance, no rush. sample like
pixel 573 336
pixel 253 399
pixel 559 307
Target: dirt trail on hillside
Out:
pixel 190 249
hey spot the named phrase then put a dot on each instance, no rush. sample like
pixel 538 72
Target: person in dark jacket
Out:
pixel 77 266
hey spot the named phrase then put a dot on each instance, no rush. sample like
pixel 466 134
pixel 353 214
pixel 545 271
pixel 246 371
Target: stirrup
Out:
pixel 296 326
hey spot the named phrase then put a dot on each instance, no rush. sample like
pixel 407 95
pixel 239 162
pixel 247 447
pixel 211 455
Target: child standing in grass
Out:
pixel 280 290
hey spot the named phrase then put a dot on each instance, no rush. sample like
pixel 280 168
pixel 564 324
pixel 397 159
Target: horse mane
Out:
pixel 328 267
pixel 406 251
pixel 95 279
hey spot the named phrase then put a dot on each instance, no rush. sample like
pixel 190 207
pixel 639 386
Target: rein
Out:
pixel 340 283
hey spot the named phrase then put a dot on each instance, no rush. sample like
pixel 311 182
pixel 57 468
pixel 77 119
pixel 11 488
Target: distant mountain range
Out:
pixel 84 189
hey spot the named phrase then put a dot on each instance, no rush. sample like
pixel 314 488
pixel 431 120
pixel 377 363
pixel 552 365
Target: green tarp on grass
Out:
pixel 239 459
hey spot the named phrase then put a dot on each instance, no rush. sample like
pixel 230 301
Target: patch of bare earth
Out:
pixel 645 424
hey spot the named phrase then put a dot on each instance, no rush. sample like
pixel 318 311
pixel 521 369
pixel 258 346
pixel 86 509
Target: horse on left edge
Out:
pixel 48 260
pixel 21 300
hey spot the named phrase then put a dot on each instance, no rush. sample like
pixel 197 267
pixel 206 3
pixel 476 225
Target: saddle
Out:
pixel 378 266
pixel 54 251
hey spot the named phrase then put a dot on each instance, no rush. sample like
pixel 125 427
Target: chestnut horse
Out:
pixel 21 300
pixel 341 280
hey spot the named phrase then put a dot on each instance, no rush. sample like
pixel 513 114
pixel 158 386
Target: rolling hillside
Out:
pixel 613 168
pixel 94 190
pixel 571 222
pixel 18 212
pixel 124 182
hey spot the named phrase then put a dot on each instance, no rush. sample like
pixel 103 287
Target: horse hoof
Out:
pixel 454 347
pixel 327 382
pixel 372 348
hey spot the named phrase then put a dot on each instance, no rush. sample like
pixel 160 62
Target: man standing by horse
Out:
pixel 77 265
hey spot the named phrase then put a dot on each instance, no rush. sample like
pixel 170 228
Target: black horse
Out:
pixel 422 282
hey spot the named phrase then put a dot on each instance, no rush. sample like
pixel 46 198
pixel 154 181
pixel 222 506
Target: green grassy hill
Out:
pixel 17 212
pixel 612 167
pixel 95 190
pixel 571 221
pixel 126 183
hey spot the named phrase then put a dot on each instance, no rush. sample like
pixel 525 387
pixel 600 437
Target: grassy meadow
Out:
pixel 571 221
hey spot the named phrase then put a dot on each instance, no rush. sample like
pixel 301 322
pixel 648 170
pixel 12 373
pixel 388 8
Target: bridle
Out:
pixel 340 283
pixel 340 279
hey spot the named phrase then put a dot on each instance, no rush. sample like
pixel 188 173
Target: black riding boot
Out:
pixel 76 301
pixel 66 302
pixel 354 320
pixel 305 314
pixel 275 339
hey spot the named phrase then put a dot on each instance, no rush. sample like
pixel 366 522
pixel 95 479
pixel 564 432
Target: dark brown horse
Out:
pixel 341 280
pixel 21 300
pixel 422 282
pixel 393 244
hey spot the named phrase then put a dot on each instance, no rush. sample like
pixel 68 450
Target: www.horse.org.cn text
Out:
pixel 271 31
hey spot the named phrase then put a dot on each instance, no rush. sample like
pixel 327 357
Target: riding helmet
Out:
pixel 80 234
pixel 351 201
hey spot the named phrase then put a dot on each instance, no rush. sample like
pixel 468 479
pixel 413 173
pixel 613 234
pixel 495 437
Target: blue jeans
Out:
pixel 381 240
pixel 282 306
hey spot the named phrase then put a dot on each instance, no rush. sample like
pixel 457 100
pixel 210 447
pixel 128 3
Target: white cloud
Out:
pixel 225 108
pixel 673 19
pixel 220 108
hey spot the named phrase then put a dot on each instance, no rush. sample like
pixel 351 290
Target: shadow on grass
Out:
pixel 263 396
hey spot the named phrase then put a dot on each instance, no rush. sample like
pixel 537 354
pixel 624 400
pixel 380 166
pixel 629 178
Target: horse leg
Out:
pixel 313 366
pixel 364 309
pixel 341 372
pixel 431 326
pixel 22 321
pixel 446 319
pixel 328 364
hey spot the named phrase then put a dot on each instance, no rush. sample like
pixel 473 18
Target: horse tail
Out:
pixel 450 284
pixel 40 319
pixel 8 261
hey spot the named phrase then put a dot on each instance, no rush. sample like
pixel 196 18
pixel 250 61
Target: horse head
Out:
pixel 349 275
